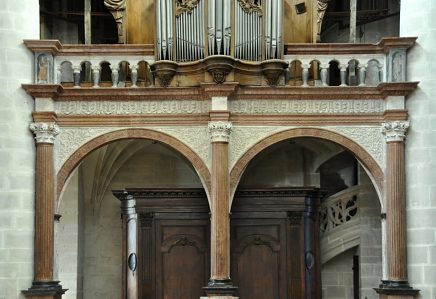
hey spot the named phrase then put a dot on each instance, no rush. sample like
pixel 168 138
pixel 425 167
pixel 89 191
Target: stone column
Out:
pixel 220 285
pixel 396 286
pixel 43 285
pixel 130 219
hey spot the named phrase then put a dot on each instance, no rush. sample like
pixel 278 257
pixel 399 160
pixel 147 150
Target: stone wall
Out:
pixel 337 276
pixel 418 19
pixel 19 19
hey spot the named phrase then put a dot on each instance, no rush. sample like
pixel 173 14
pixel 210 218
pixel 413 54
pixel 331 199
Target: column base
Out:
pixel 44 290
pixel 391 289
pixel 220 289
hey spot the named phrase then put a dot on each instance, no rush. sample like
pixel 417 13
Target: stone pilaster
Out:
pixel 396 286
pixel 43 285
pixel 220 285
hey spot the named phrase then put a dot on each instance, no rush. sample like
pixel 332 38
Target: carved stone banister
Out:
pixel 339 209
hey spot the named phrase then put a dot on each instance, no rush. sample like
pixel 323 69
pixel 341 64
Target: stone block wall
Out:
pixel 337 276
pixel 418 19
pixel 19 19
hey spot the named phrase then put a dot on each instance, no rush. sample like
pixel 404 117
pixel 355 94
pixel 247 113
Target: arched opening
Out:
pixel 173 217
pixel 296 243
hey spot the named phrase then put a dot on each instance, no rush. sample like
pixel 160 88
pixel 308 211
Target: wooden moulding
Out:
pixel 382 47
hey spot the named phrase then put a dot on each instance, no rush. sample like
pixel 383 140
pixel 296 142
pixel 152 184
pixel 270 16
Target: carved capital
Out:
pixel 395 131
pixel 185 6
pixel 44 132
pixel 220 131
pixel 250 6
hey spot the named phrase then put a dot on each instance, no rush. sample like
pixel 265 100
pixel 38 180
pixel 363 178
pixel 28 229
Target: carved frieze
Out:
pixel 250 6
pixel 307 106
pixel 185 6
pixel 131 107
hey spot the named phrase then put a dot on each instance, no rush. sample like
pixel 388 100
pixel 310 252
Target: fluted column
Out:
pixel 396 286
pixel 220 282
pixel 43 285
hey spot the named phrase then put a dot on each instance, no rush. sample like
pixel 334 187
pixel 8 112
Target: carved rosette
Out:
pixel 250 6
pixel 220 131
pixel 185 6
pixel 395 131
pixel 44 132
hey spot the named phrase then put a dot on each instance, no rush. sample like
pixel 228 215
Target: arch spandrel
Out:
pixel 364 142
pixel 74 144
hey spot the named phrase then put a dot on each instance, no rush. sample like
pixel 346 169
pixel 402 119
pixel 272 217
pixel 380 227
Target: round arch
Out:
pixel 375 172
pixel 73 161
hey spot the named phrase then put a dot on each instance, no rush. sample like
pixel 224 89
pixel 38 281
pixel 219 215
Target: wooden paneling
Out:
pixel 140 21
pixel 298 28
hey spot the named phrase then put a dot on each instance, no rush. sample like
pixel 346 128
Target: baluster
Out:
pixel 362 74
pixel 76 75
pixel 134 74
pixel 96 75
pixel 324 72
pixel 115 75
pixel 343 68
pixel 59 74
pixel 305 74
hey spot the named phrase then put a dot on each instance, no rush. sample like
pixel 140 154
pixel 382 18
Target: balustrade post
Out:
pixel 305 74
pixel 59 74
pixel 76 75
pixel 134 74
pixel 396 286
pixel 324 73
pixel 96 76
pixel 115 75
pixel 362 74
pixel 343 68
pixel 43 286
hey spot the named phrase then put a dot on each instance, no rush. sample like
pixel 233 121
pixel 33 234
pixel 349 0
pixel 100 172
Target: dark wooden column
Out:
pixel 396 286
pixel 43 285
pixel 311 247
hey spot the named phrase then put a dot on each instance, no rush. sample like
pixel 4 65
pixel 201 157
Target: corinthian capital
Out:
pixel 395 130
pixel 220 131
pixel 44 132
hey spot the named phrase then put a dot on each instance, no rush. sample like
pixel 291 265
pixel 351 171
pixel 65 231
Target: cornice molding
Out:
pixel 205 91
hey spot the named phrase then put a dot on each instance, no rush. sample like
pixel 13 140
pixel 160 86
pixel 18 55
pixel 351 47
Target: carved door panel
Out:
pixel 259 252
pixel 175 255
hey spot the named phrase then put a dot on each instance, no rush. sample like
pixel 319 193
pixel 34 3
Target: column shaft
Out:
pixel 396 212
pixel 44 213
pixel 220 215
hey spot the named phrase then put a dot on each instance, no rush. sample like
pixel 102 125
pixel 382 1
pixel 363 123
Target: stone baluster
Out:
pixel 134 74
pixel 76 75
pixel 43 285
pixel 115 74
pixel 130 218
pixel 305 73
pixel 59 74
pixel 381 73
pixel 343 67
pixel 396 286
pixel 362 74
pixel 324 73
pixel 96 69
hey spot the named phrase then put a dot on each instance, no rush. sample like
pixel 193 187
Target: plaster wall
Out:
pixel 19 19
pixel 418 19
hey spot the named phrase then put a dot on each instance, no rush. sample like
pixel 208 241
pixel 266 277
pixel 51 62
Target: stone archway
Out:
pixel 73 161
pixel 374 170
